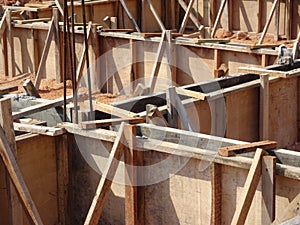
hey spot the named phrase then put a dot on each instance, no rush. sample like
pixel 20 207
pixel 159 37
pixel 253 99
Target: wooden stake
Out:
pixel 223 4
pixel 157 63
pixel 249 189
pixel 131 18
pixel 191 15
pixel 104 185
pixel 268 22
pixel 186 16
pixel 264 108
pixel 157 18
pixel 42 63
pixel 30 89
pixel 268 189
pixel 82 57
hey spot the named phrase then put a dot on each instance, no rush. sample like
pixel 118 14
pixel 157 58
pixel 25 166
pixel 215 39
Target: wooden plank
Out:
pixel 117 30
pixel 104 185
pixel 157 63
pixel 221 9
pixel 264 107
pixel 260 16
pixel 30 89
pixel 211 40
pixel 40 107
pixel 261 71
pixel 244 148
pixel 157 18
pixel 249 189
pixel 42 63
pixel 157 34
pixel 11 70
pixel 268 189
pixel 17 179
pixel 216 187
pixel 114 111
pixel 189 93
pixel 131 18
pixel 36 129
pixel 186 16
pixel 274 6
pixel 7 89
pixel 32 20
pixel 79 70
pixel 109 122
pixel 131 176
pixel 191 15
pixel 15 208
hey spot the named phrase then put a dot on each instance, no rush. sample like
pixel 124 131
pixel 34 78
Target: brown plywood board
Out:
pixel 36 159
pixel 242 110
pixel 283 112
pixel 181 198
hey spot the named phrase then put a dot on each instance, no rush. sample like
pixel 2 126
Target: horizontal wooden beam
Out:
pixel 189 93
pixel 113 110
pixel 244 148
pixel 109 122
pixel 40 107
pixel 7 89
pixel 274 73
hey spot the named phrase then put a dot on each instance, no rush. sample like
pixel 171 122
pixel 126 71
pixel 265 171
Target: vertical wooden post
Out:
pixel 171 56
pixel 62 178
pixel 276 25
pixel 130 158
pixel 173 13
pixel 35 44
pixel 95 59
pixel 217 59
pixel 268 189
pixel 6 121
pixel 137 63
pixel 58 58
pixel 10 46
pixel 288 19
pixel 171 107
pixel 134 187
pixel 264 60
pixel 216 185
pixel 264 107
pixel 259 16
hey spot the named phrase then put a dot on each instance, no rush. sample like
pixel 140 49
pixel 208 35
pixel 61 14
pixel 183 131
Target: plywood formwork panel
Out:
pixel 295 17
pixel 283 112
pixel 234 60
pixel 179 197
pixel 242 110
pixel 149 23
pixel 85 176
pixel 3 196
pixel 36 157
pixel 194 64
pixel 245 15
pixel 23 43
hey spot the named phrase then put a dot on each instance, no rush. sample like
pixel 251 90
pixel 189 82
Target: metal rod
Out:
pixel 87 58
pixel 74 83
